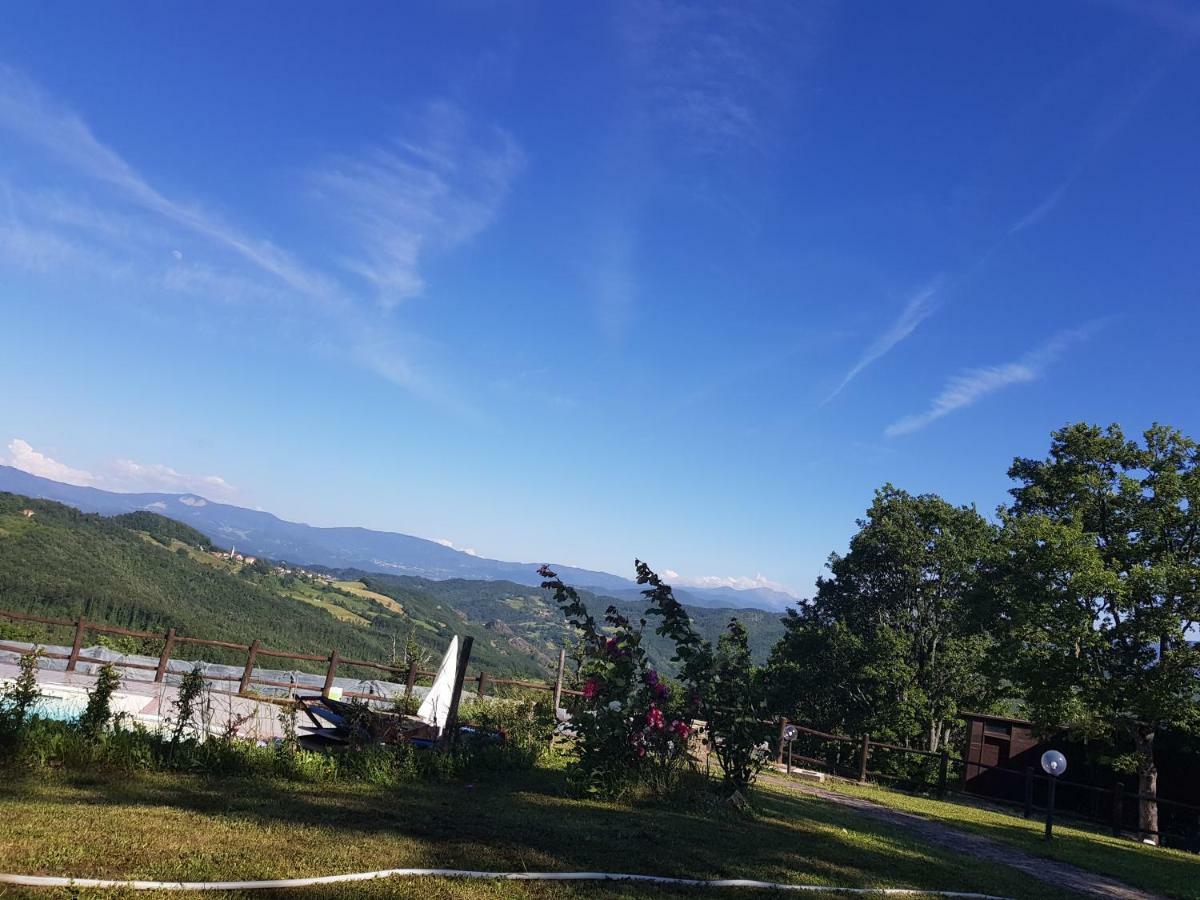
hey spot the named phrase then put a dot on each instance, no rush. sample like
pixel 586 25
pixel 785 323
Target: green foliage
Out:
pixel 893 642
pixel 736 707
pixel 162 529
pixel 724 689
pixel 187 703
pixel 1098 586
pixel 17 698
pixel 65 563
pixel 525 725
pixel 98 714
pixel 629 724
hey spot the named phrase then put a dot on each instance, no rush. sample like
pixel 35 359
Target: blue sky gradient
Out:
pixel 580 283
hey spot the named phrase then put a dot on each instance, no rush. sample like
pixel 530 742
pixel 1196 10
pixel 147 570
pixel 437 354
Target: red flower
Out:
pixel 590 688
pixel 654 718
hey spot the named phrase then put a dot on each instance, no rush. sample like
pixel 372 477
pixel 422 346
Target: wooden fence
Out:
pixel 863 748
pixel 171 640
pixel 1110 807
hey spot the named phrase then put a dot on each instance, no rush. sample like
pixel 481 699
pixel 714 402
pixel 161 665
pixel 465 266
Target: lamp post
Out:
pixel 789 734
pixel 1053 764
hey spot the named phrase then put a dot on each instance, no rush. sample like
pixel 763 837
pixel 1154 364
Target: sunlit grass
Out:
pixel 1173 873
pixel 167 827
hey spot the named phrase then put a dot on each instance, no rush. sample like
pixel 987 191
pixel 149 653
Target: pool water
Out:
pixel 59 709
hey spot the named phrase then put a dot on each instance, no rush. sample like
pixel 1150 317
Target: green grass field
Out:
pixel 186 828
pixel 1173 873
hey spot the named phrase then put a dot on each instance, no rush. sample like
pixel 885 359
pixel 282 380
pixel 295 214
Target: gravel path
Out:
pixel 1059 874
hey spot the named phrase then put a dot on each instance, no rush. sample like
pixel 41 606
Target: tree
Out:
pixel 1098 587
pixel 891 644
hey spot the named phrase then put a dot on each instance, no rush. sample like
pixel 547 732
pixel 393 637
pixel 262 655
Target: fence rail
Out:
pixel 332 660
pixel 865 746
pixel 1120 801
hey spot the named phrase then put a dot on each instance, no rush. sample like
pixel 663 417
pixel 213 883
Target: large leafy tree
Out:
pixel 1098 587
pixel 890 644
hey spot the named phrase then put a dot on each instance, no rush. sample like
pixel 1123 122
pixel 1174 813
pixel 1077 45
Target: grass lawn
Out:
pixel 1174 873
pixel 186 828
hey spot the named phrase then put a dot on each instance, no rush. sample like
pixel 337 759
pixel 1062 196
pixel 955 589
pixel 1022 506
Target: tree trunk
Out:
pixel 1143 740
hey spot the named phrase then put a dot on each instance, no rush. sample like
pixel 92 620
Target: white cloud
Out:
pixel 400 204
pixel 406 200
pixel 737 582
pixel 720 74
pixel 25 458
pixel 122 475
pixel 157 477
pixel 28 112
pixel 916 311
pixel 1042 210
pixel 973 385
pixel 446 542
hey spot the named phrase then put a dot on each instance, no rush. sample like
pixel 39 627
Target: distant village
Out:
pixel 231 555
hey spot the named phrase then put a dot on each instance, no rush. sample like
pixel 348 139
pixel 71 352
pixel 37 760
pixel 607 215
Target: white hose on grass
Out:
pixel 54 881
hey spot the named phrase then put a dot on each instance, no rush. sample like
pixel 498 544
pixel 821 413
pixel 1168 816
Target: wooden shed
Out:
pixel 998 742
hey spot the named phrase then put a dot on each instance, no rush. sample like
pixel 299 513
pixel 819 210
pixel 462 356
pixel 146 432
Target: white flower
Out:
pixel 615 706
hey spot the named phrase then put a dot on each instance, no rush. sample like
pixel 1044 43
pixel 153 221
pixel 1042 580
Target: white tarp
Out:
pixel 436 705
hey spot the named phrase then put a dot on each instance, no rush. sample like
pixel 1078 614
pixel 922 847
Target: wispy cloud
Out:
pixel 917 310
pixel 971 386
pixel 118 475
pixel 425 194
pixel 1042 210
pixel 718 73
pixel 27 111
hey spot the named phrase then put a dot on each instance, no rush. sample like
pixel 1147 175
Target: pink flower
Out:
pixel 590 688
pixel 654 718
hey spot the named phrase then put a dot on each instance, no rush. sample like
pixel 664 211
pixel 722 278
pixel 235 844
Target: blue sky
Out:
pixel 588 281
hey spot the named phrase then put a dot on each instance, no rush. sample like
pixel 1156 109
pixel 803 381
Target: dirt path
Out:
pixel 1059 874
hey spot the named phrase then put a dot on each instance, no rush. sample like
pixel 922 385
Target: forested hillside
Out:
pixel 145 571
pixel 64 563
pixel 532 614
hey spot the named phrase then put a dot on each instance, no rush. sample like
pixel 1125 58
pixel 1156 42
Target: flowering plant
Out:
pixel 627 719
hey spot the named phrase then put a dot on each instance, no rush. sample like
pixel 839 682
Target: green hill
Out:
pixel 528 615
pixel 60 562
pixel 144 571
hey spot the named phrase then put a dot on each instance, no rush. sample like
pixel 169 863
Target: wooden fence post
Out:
pixel 783 723
pixel 464 657
pixel 76 645
pixel 249 670
pixel 334 658
pixel 483 682
pixel 1028 813
pixel 168 646
pixel 943 771
pixel 1118 808
pixel 558 681
pixel 862 759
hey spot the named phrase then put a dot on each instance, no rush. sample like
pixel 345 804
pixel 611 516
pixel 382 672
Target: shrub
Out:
pixel 186 705
pixel 630 726
pixel 17 698
pixel 98 713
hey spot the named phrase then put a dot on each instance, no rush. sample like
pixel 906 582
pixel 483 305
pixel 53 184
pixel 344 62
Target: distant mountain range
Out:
pixel 263 534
